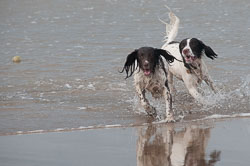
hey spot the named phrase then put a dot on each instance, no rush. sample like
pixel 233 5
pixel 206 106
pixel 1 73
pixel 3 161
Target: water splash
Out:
pixel 229 99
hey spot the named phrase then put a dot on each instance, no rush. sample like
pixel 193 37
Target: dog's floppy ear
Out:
pixel 130 64
pixel 169 58
pixel 208 51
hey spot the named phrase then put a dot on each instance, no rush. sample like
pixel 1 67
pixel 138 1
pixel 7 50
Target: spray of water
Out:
pixel 229 101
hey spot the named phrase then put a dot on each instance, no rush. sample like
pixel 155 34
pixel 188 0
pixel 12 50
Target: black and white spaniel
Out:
pixel 150 74
pixel 192 71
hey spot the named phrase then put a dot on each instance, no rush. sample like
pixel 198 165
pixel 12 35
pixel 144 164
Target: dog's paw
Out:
pixel 158 118
pixel 151 111
pixel 215 90
pixel 170 119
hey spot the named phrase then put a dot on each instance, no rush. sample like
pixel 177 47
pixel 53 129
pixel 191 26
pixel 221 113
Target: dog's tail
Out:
pixel 171 27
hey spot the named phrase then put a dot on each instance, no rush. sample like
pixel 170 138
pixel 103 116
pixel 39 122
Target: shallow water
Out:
pixel 71 52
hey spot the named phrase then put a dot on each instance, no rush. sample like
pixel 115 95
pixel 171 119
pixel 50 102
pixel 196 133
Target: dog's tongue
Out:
pixel 147 72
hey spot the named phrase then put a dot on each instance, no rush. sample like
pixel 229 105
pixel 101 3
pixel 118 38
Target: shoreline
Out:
pixel 214 118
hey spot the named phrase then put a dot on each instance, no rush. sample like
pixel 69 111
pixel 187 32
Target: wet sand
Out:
pixel 211 142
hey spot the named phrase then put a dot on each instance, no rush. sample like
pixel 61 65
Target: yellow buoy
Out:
pixel 16 59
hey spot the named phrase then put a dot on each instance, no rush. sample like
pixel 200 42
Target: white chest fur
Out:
pixel 154 83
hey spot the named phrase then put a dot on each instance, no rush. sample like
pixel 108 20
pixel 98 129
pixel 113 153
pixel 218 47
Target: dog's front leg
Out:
pixel 144 102
pixel 210 83
pixel 171 83
pixel 191 84
pixel 196 95
pixel 169 109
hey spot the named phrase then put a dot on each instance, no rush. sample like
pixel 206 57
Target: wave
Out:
pixel 218 116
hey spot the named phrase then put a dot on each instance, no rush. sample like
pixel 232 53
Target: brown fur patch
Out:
pixel 189 72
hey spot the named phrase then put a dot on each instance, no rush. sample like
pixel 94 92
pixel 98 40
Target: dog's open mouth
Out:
pixel 190 58
pixel 147 72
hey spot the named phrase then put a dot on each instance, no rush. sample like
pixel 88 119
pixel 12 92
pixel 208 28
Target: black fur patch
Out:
pixel 182 44
pixel 197 47
pixel 173 42
pixel 152 55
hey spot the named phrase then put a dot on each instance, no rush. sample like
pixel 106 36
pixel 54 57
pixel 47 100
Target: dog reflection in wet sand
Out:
pixel 166 147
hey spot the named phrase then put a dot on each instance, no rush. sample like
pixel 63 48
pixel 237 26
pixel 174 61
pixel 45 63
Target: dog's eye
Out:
pixel 182 46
